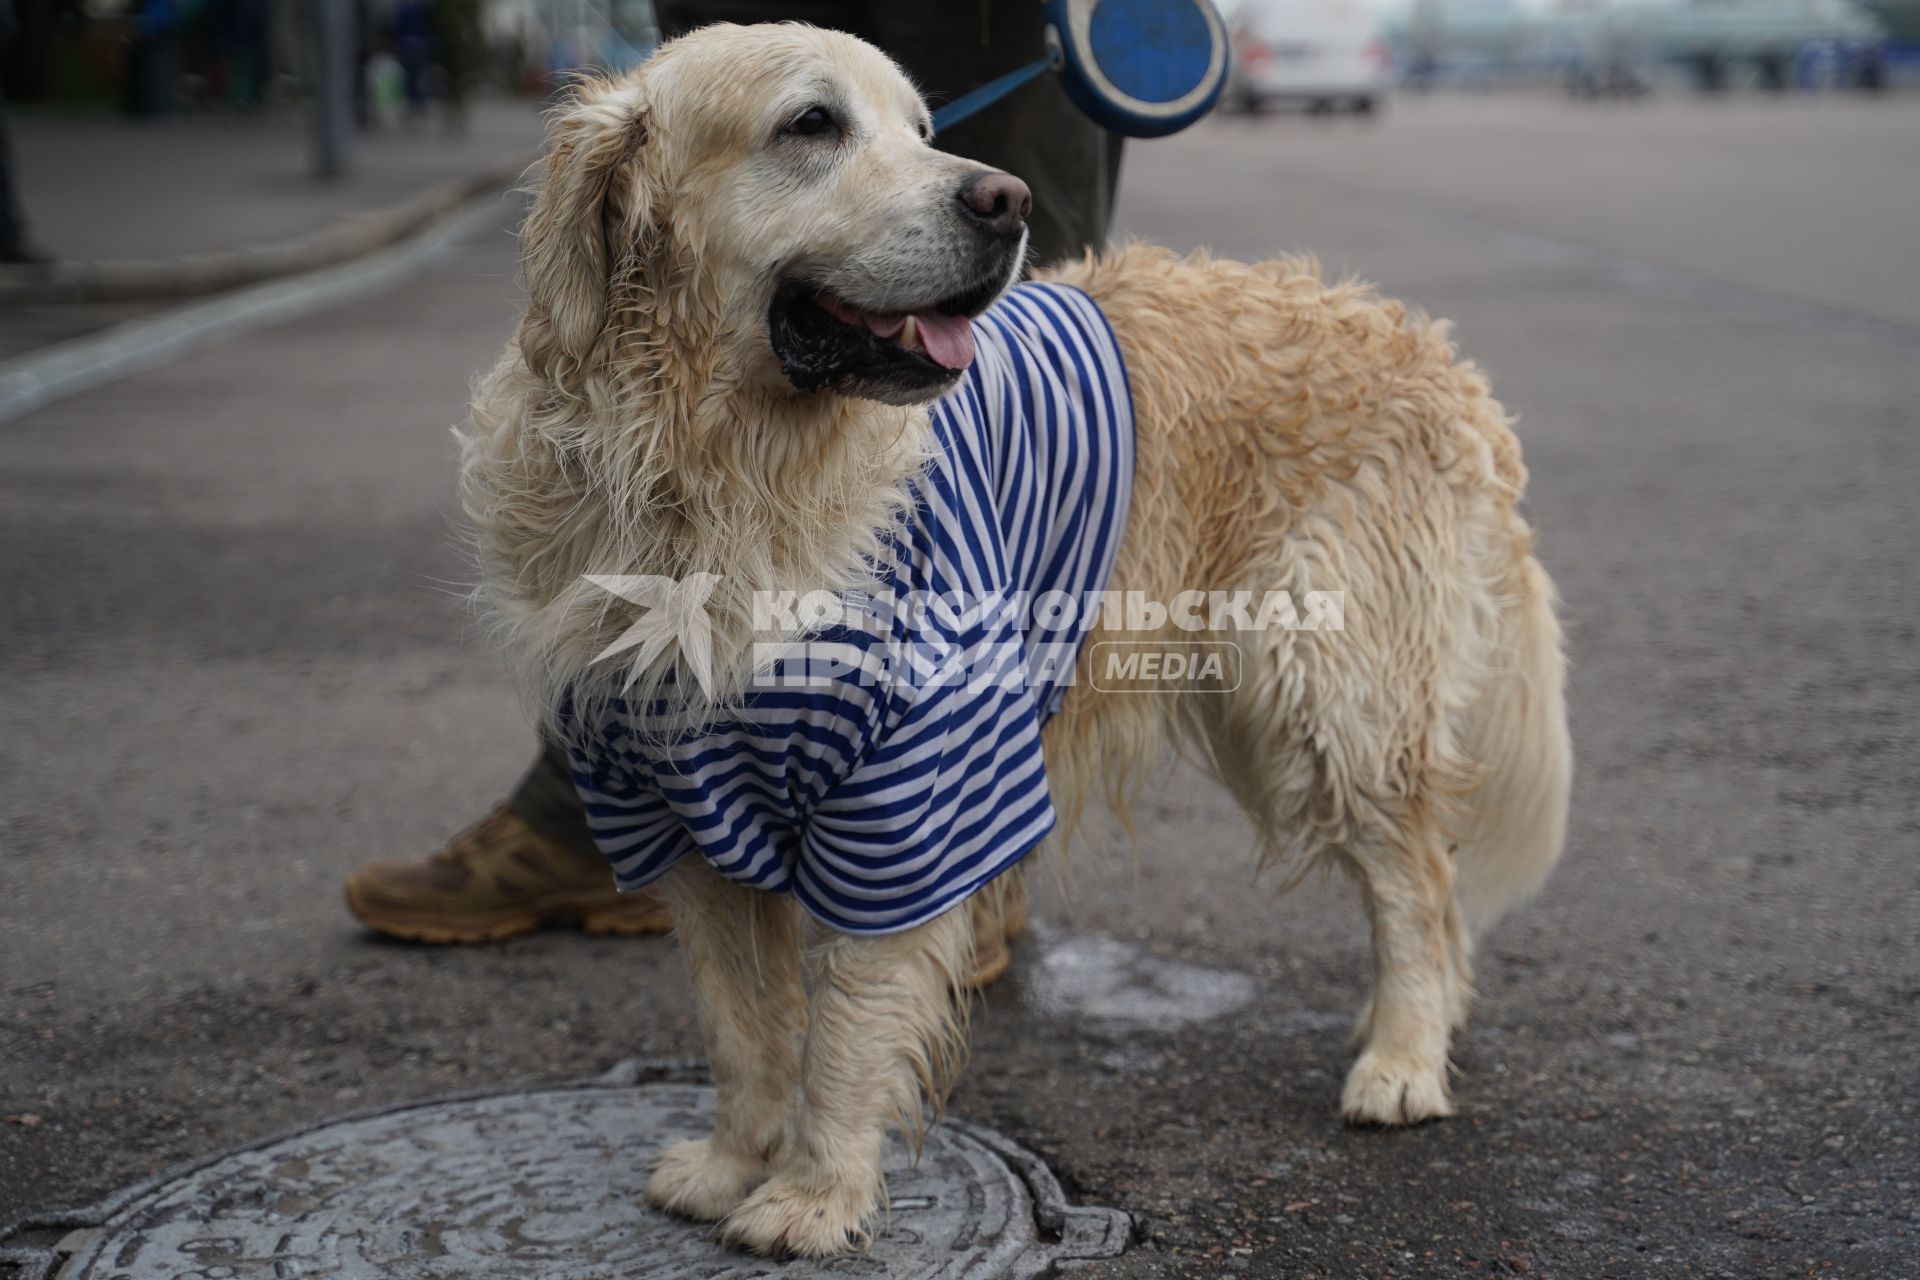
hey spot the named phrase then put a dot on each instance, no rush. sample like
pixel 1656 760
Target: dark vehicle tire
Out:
pixel 1364 106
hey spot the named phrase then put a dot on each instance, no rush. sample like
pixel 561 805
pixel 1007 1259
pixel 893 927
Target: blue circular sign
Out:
pixel 1144 68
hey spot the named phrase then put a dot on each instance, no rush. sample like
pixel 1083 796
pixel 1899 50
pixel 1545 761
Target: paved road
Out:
pixel 237 665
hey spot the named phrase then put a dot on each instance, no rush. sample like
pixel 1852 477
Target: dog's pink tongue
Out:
pixel 948 339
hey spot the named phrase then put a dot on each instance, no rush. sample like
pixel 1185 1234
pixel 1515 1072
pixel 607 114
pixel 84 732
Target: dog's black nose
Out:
pixel 1000 202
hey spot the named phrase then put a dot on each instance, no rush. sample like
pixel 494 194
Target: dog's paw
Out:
pixel 692 1180
pixel 791 1215
pixel 1394 1091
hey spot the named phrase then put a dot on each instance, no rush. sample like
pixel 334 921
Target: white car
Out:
pixel 1324 55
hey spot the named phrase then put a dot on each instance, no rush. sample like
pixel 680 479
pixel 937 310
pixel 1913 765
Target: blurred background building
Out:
pixel 155 57
pixel 1334 54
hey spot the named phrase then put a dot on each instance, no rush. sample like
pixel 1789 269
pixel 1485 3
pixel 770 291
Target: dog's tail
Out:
pixel 1518 735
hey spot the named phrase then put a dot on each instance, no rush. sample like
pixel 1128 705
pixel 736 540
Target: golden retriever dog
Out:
pixel 678 400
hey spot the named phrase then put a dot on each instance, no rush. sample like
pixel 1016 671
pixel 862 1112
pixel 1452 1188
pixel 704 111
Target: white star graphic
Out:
pixel 675 612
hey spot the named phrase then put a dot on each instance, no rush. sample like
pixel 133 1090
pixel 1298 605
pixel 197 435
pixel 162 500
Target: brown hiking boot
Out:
pixel 500 877
pixel 496 879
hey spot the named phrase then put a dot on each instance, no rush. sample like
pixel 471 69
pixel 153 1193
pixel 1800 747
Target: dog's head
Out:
pixel 771 194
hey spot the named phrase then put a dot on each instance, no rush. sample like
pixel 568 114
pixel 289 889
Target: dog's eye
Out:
pixel 812 122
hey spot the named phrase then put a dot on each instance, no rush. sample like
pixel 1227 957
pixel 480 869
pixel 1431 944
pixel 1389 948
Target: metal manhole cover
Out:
pixel 542 1184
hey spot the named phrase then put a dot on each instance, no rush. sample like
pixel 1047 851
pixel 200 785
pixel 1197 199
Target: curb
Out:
pixel 52 373
pixel 342 240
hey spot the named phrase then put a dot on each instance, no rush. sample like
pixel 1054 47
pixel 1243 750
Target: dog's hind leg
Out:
pixel 1406 880
pixel 743 948
pixel 1516 810
pixel 884 1035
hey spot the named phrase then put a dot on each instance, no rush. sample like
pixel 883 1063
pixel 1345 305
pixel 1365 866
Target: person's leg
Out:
pixel 535 855
pixel 546 800
pixel 530 862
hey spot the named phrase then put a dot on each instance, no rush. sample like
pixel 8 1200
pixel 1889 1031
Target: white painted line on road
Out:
pixel 40 378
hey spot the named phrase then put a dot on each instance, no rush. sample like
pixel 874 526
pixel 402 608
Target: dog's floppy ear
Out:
pixel 594 190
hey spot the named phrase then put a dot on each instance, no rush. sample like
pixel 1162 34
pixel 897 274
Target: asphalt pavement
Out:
pixel 238 663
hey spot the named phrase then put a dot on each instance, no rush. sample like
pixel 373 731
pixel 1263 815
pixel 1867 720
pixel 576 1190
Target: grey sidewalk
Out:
pixel 145 213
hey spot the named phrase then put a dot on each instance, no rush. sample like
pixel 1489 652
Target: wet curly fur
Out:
pixel 1293 434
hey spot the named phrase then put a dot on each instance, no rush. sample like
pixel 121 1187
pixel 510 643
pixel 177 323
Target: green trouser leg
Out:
pixel 1071 165
pixel 545 797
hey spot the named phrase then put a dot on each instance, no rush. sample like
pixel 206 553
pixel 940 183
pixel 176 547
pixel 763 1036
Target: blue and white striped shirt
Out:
pixel 886 781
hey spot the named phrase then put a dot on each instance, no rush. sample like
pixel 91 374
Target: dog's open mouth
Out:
pixel 898 355
pixel 942 336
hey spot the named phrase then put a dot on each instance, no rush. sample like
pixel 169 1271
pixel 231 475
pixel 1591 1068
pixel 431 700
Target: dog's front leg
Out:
pixel 884 1033
pixel 743 948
